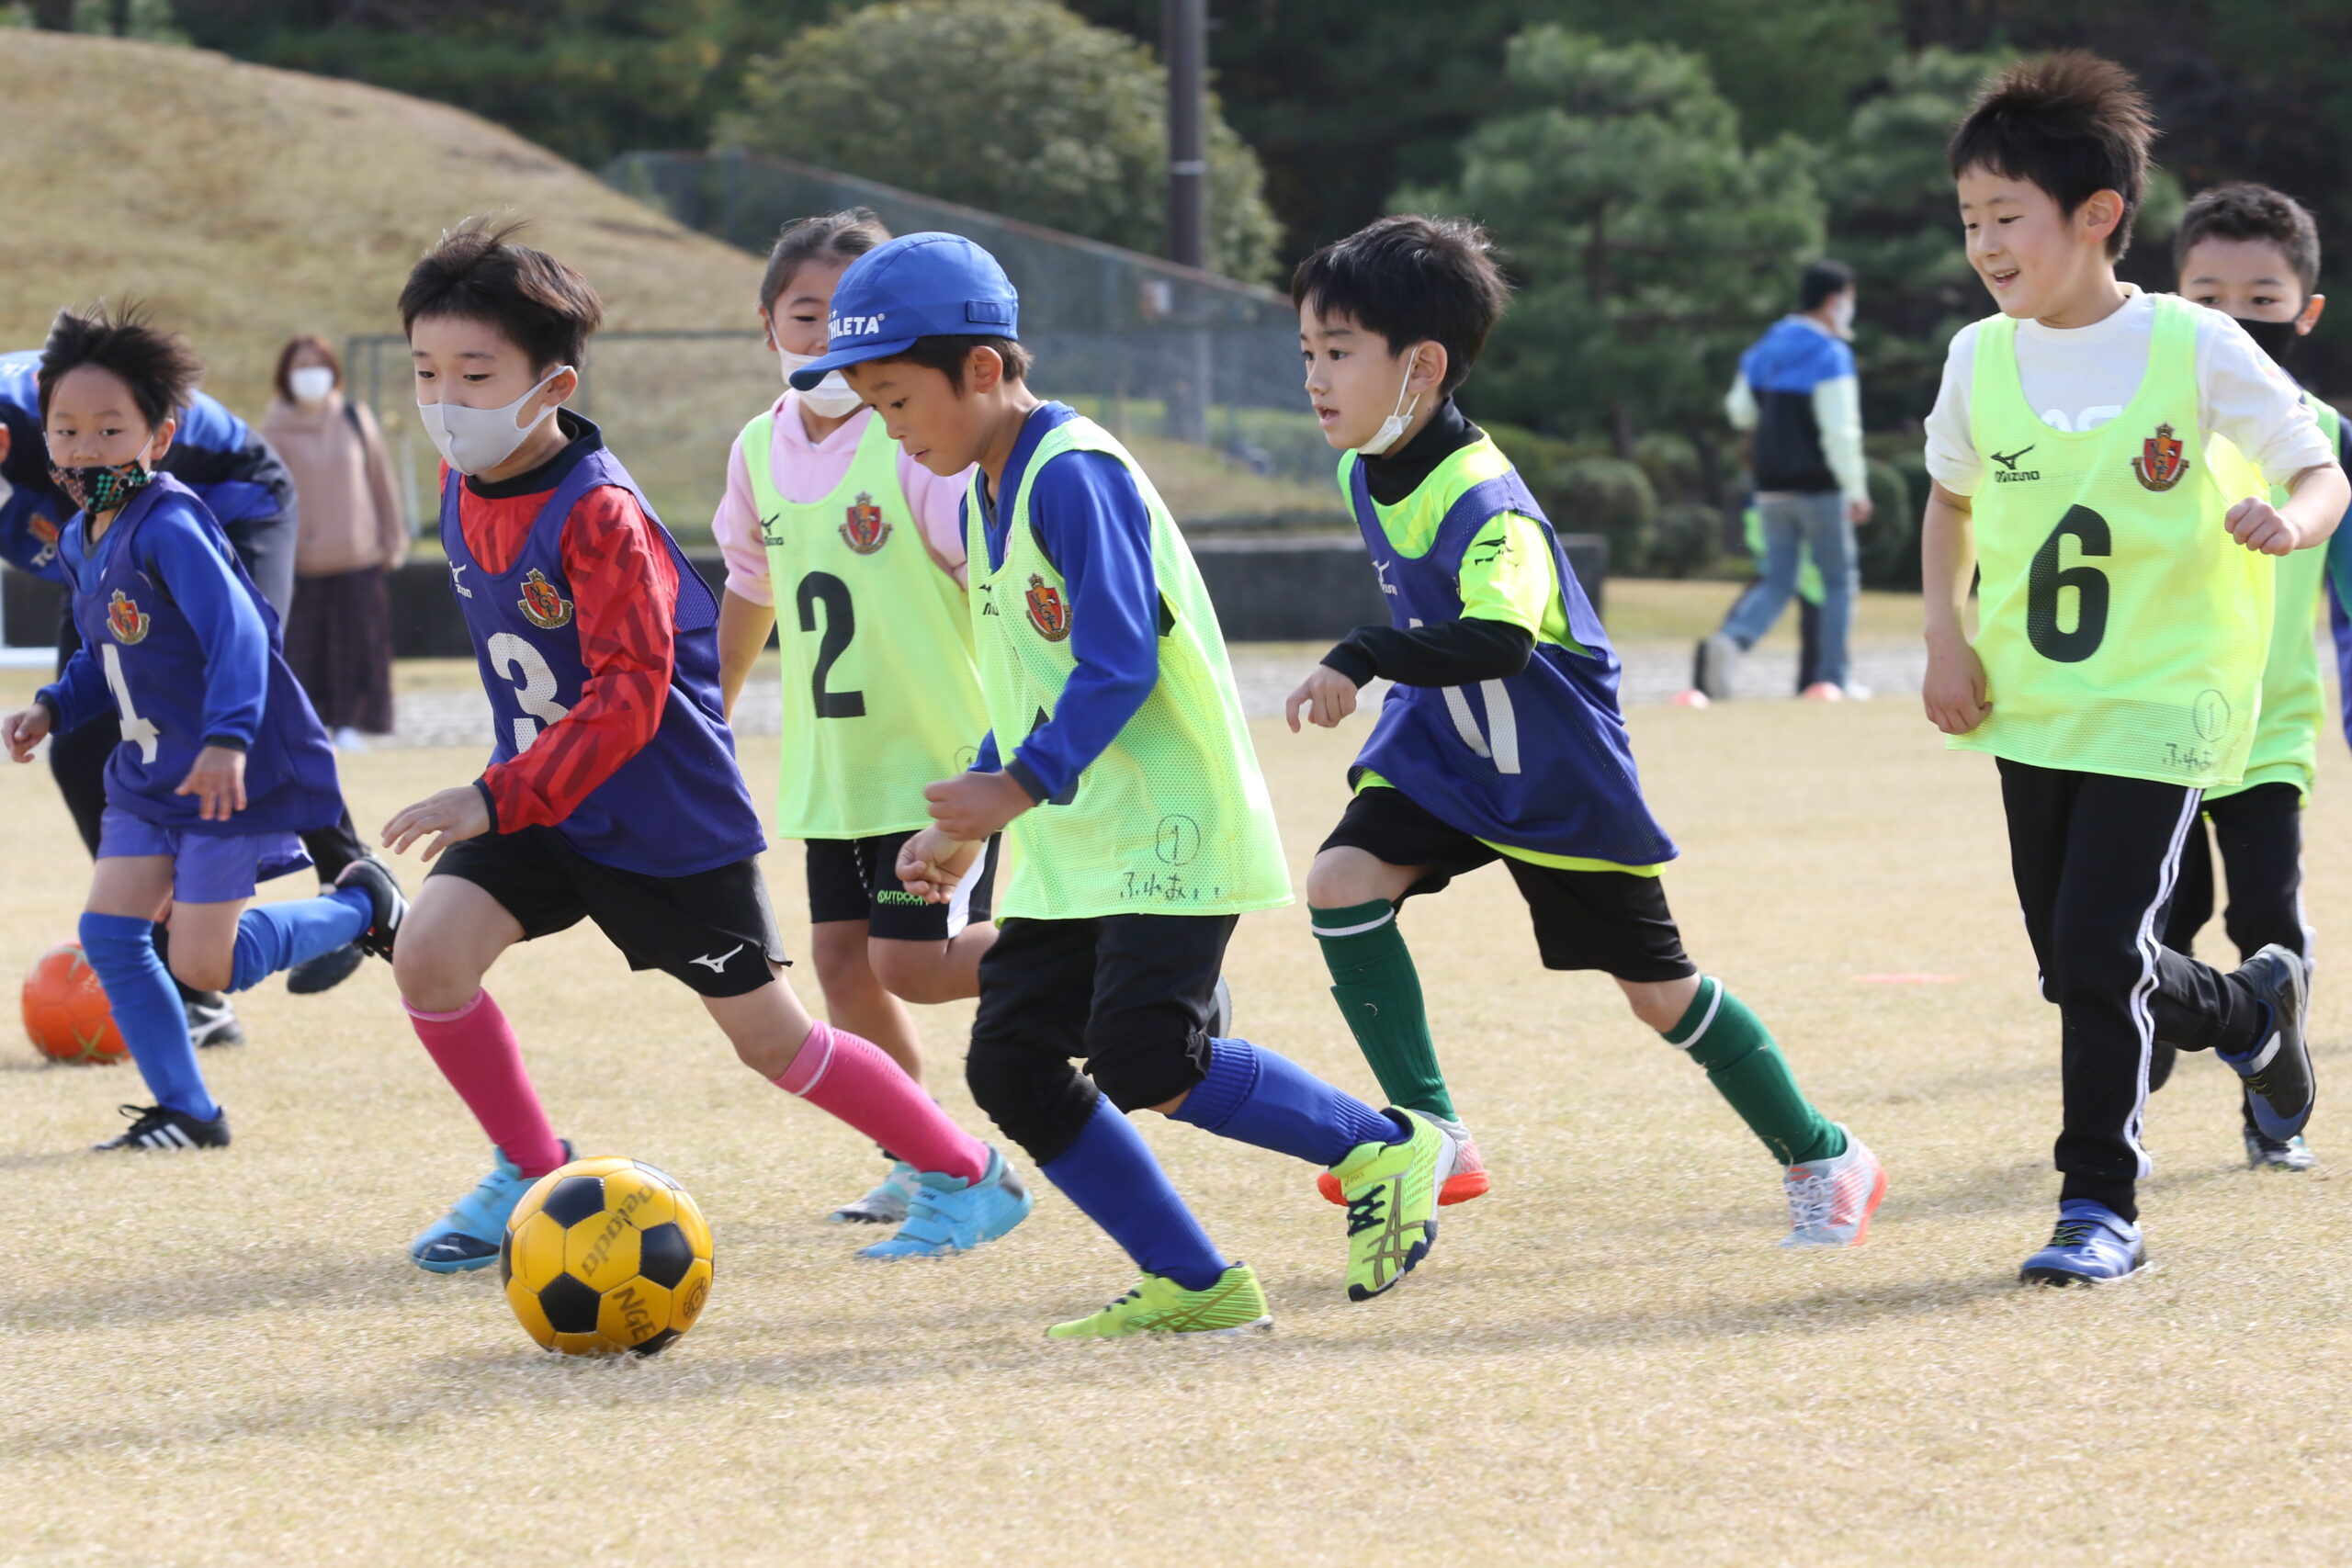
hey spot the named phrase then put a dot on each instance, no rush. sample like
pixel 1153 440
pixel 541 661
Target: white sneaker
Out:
pixel 1831 1201
pixel 349 739
pixel 1858 693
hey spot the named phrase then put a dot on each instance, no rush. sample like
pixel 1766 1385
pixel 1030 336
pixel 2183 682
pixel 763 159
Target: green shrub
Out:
pixel 1685 540
pixel 1889 542
pixel 1606 496
pixel 1672 463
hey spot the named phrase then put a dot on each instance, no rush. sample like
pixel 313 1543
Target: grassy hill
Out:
pixel 247 204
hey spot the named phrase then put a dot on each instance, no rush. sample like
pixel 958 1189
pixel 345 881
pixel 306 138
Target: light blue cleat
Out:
pixel 466 1238
pixel 886 1204
pixel 2092 1245
pixel 948 1214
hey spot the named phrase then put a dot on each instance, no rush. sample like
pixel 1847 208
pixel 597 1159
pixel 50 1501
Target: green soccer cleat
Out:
pixel 1235 1305
pixel 1391 1192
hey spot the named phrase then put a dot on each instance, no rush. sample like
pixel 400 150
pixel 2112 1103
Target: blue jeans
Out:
pixel 1792 523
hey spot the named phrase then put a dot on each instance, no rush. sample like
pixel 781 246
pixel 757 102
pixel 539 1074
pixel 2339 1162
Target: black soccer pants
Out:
pixel 2259 832
pixel 2093 857
pixel 77 760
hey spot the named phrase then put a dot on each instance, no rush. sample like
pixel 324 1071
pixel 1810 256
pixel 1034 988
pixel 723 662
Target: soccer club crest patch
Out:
pixel 1047 610
pixel 125 619
pixel 2162 460
pixel 866 530
pixel 543 605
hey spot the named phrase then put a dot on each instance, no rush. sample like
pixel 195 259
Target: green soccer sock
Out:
pixel 1719 1033
pixel 1379 993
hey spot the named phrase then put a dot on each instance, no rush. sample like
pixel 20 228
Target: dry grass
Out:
pixel 225 1358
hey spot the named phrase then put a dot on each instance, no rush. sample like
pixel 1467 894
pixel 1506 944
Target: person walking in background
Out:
pixel 1797 398
pixel 339 636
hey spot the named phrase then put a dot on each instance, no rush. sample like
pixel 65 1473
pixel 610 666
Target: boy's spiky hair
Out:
pixel 1412 280
pixel 478 273
pixel 2072 123
pixel 2248 211
pixel 158 367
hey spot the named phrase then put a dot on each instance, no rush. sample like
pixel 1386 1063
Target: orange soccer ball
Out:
pixel 65 1009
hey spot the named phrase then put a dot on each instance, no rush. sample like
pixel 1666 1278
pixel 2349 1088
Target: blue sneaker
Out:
pixel 2092 1243
pixel 2277 1072
pixel 948 1215
pixel 466 1238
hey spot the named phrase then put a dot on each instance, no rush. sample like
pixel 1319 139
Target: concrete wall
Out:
pixel 1265 589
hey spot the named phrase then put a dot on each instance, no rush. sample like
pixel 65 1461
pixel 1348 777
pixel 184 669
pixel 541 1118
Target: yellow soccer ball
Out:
pixel 606 1255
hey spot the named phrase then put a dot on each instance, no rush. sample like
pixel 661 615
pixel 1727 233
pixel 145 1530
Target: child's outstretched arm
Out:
pixel 1954 692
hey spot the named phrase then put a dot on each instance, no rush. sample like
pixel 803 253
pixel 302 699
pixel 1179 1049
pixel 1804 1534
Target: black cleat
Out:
pixel 152 1127
pixel 211 1020
pixel 375 878
pixel 325 972
pixel 2278 1071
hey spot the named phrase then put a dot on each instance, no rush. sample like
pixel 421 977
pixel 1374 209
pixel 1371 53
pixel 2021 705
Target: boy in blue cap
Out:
pixel 1137 828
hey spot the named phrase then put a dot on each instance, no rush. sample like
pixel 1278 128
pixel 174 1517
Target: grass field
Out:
pixel 224 1358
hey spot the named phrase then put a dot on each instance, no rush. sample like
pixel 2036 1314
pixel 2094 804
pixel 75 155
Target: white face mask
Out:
pixel 310 384
pixel 829 399
pixel 1401 416
pixel 1841 315
pixel 471 440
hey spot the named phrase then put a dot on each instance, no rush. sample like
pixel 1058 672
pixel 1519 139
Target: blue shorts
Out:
pixel 206 868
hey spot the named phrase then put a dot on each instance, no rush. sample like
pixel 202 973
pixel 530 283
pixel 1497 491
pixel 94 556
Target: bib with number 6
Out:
pixel 678 805
pixel 2121 629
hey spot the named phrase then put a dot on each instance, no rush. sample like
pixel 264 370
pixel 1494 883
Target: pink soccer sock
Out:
pixel 476 1049
pixel 853 1077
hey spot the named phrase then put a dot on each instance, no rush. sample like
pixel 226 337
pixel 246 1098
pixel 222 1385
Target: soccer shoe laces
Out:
pixel 1811 1199
pixel 2071 1233
pixel 1364 1212
pixel 143 1119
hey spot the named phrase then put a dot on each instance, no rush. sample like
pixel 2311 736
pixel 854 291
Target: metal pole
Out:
pixel 1186 47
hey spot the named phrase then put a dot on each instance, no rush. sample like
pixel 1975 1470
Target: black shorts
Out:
pixel 1610 920
pixel 713 929
pixel 1133 995
pixel 857 879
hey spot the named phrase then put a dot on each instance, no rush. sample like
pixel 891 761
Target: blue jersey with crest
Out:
pixel 1539 760
pixel 680 805
pixel 179 647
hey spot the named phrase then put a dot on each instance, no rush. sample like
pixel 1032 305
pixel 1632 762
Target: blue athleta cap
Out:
pixel 916 286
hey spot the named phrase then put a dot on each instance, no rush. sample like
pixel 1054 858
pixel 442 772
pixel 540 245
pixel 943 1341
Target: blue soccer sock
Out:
pixel 147 1010
pixel 1261 1097
pixel 1110 1175
pixel 271 937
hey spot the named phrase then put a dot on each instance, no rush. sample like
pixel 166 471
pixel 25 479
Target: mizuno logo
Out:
pixel 2010 461
pixel 457 581
pixel 1381 568
pixel 719 966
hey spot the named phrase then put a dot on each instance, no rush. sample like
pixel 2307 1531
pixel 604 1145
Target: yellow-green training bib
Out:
pixel 1174 817
pixel 880 693
pixel 2122 630
pixel 2294 704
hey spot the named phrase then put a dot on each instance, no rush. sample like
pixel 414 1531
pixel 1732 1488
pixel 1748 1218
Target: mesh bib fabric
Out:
pixel 1173 816
pixel 880 693
pixel 2121 629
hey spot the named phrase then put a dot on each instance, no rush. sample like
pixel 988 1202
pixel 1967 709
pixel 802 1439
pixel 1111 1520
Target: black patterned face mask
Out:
pixel 101 487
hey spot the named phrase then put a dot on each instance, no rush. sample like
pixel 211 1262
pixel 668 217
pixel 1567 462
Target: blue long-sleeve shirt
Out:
pixel 190 563
pixel 1091 522
pixel 232 469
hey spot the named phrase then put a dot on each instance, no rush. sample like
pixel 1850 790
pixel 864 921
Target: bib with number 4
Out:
pixel 2121 628
pixel 133 626
pixel 1540 760
pixel 678 805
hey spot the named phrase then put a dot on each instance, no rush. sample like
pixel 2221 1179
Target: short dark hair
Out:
pixel 295 346
pixel 2072 123
pixel 543 307
pixel 1411 279
pixel 158 367
pixel 947 352
pixel 841 236
pixel 2247 211
pixel 1821 280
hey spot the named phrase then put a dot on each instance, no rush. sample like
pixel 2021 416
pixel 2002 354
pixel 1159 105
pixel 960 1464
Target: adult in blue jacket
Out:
pixel 239 478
